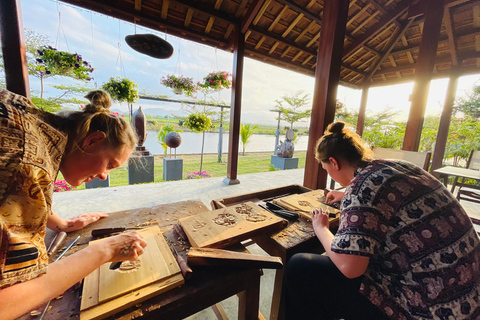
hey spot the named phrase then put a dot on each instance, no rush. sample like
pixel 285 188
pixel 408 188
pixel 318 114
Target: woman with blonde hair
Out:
pixel 34 147
pixel 404 249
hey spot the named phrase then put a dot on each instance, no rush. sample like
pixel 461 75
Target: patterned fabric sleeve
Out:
pixel 362 225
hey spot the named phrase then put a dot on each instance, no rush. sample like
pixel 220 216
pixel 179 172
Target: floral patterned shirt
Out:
pixel 424 253
pixel 30 155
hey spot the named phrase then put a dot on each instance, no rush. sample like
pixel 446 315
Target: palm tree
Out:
pixel 246 131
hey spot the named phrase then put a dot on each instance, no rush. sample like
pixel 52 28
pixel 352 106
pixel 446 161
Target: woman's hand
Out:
pixel 82 220
pixel 320 221
pixel 334 196
pixel 123 247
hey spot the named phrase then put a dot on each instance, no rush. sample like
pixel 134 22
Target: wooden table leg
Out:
pixel 248 301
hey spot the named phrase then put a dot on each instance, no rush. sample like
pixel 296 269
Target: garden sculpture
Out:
pixel 139 122
pixel 285 149
pixel 173 140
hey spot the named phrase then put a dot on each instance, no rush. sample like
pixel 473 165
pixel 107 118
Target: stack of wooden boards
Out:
pixel 304 203
pixel 226 226
pixel 106 292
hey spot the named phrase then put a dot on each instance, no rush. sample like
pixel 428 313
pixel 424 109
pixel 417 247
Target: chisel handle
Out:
pixel 59 239
pixel 106 231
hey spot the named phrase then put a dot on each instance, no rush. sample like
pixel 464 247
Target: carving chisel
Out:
pixel 58 258
pixel 107 231
pixel 56 243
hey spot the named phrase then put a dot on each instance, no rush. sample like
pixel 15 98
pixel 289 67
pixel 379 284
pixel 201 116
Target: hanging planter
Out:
pixel 179 84
pixel 121 89
pixel 178 90
pixel 218 80
pixel 197 122
pixel 52 61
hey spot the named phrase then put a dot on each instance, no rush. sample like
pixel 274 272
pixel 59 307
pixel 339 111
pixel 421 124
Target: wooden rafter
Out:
pixel 301 10
pixel 376 28
pixel 261 11
pixel 241 7
pixel 278 18
pixel 251 14
pixel 165 5
pixel 391 44
pixel 447 16
pixel 282 39
pixel 200 7
pixel 138 5
pixel 292 25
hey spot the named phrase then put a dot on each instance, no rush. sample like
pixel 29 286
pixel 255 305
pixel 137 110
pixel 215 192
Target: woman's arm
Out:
pixel 20 298
pixel 57 223
pixel 352 266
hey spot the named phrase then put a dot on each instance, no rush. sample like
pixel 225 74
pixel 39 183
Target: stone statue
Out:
pixel 285 149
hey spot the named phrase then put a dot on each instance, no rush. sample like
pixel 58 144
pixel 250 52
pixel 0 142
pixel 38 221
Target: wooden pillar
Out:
pixel 443 128
pixel 423 73
pixel 236 107
pixel 361 112
pixel 327 76
pixel 13 47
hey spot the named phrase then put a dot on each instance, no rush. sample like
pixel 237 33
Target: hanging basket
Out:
pixel 178 90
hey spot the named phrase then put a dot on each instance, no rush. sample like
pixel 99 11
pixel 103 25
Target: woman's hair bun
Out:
pixel 99 101
pixel 336 127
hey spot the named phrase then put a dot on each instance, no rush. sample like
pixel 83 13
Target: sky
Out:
pixel 100 40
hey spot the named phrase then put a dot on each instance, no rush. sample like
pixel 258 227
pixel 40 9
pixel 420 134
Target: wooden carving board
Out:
pixel 106 291
pixel 205 230
pixel 303 205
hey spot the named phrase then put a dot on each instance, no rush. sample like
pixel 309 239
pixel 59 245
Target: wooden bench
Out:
pixel 469 192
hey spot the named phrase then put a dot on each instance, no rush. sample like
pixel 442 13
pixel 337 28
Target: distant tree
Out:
pixel 246 131
pixel 470 105
pixel 291 108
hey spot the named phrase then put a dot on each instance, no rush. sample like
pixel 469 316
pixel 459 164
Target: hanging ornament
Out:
pixel 151 45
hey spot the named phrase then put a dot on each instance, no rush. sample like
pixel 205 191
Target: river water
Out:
pixel 192 143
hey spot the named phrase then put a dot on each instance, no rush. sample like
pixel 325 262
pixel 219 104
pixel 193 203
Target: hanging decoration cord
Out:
pixel 119 57
pixel 178 63
pixel 60 29
pixel 93 49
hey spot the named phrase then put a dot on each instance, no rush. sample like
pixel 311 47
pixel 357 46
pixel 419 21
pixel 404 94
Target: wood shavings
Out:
pixel 226 219
pixel 129 266
pixel 305 204
pixel 35 313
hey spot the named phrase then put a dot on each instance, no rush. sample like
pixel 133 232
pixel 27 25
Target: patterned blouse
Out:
pixel 424 253
pixel 30 155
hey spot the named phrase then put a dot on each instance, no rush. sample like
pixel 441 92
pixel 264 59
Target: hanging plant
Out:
pixel 197 122
pixel 179 84
pixel 218 80
pixel 121 89
pixel 51 61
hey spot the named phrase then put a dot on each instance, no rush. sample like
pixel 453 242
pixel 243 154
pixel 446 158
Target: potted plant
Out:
pixel 121 89
pixel 218 80
pixel 52 60
pixel 198 122
pixel 179 84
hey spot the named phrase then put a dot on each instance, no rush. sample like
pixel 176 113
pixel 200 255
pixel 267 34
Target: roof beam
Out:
pixel 206 9
pixel 393 40
pixel 376 28
pixel 447 16
pixel 251 14
pixel 301 10
pixel 281 39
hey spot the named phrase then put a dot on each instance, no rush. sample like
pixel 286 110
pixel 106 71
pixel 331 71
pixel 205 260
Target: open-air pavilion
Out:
pixel 355 43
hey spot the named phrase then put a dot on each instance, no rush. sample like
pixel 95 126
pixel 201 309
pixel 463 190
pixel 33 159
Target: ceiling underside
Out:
pixel 381 45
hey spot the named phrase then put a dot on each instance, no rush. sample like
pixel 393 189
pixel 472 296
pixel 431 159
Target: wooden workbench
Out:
pixel 207 287
pixel 297 237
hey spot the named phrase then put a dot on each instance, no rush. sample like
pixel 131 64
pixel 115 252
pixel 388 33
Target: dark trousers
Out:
pixel 315 289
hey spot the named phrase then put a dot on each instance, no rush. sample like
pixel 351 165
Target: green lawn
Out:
pixel 250 163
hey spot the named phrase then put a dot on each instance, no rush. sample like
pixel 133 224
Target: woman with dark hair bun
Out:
pixel 34 146
pixel 405 247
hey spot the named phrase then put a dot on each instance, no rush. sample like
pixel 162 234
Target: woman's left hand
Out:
pixel 82 220
pixel 320 220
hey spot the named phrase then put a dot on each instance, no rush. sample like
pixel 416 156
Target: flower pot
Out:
pixel 178 90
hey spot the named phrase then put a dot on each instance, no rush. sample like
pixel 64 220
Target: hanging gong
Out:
pixel 151 45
